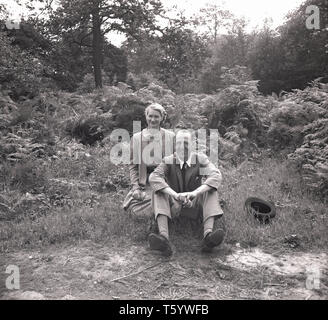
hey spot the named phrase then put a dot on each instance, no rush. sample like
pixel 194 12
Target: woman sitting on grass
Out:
pixel 148 148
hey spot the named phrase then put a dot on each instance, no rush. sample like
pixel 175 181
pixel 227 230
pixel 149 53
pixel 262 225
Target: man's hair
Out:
pixel 190 132
pixel 191 137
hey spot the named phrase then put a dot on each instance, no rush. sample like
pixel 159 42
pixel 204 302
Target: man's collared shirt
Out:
pixel 181 162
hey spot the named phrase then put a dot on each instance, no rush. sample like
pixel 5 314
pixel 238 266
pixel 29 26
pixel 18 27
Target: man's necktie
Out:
pixel 183 171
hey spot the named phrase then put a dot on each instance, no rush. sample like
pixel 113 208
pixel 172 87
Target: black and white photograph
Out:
pixel 163 155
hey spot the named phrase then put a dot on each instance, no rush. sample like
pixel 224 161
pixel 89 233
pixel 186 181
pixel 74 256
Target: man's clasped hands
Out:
pixel 184 198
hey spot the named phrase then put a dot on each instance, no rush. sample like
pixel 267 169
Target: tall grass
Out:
pixel 98 215
pixel 102 222
pixel 298 211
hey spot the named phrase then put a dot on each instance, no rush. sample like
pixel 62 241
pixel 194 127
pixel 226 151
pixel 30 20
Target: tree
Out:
pixel 305 49
pixel 267 60
pixel 3 12
pixel 234 46
pixel 228 51
pixel 115 63
pixel 143 53
pixel 86 23
pixel 183 55
pixel 175 57
pixel 293 55
pixel 214 18
pixel 20 72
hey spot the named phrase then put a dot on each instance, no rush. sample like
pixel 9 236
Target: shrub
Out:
pixel 222 111
pixel 20 72
pixel 26 176
pixel 236 75
pixel 138 81
pixel 88 83
pixel 89 129
pixel 15 148
pixel 187 112
pixel 127 109
pixel 288 121
pixel 312 157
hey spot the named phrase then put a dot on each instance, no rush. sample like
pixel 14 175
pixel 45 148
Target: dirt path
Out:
pixel 130 271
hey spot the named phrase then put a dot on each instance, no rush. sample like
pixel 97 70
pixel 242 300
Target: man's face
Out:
pixel 183 144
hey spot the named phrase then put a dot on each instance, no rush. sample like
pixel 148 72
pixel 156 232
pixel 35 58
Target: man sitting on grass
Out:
pixel 178 189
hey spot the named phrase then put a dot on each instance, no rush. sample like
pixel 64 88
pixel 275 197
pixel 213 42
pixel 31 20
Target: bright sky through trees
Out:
pixel 253 10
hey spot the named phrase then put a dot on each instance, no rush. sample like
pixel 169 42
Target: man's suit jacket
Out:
pixel 168 173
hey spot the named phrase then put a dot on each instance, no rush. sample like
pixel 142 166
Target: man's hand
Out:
pixel 189 196
pixel 173 194
pixel 181 197
pixel 186 198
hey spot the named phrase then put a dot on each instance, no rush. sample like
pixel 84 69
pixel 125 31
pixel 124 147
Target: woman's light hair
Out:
pixel 156 107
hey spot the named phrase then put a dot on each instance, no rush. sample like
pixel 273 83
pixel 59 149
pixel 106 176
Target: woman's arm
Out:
pixel 134 163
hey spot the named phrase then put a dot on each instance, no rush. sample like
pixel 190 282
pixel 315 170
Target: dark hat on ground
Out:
pixel 261 209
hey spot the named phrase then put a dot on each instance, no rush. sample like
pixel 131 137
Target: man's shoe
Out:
pixel 213 239
pixel 159 242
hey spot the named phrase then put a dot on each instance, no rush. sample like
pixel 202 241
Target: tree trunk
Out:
pixel 215 29
pixel 96 47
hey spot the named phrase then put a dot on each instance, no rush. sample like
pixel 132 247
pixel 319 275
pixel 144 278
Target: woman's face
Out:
pixel 153 119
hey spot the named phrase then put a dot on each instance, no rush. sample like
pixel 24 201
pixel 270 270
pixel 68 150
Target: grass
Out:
pixel 298 211
pixel 97 215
